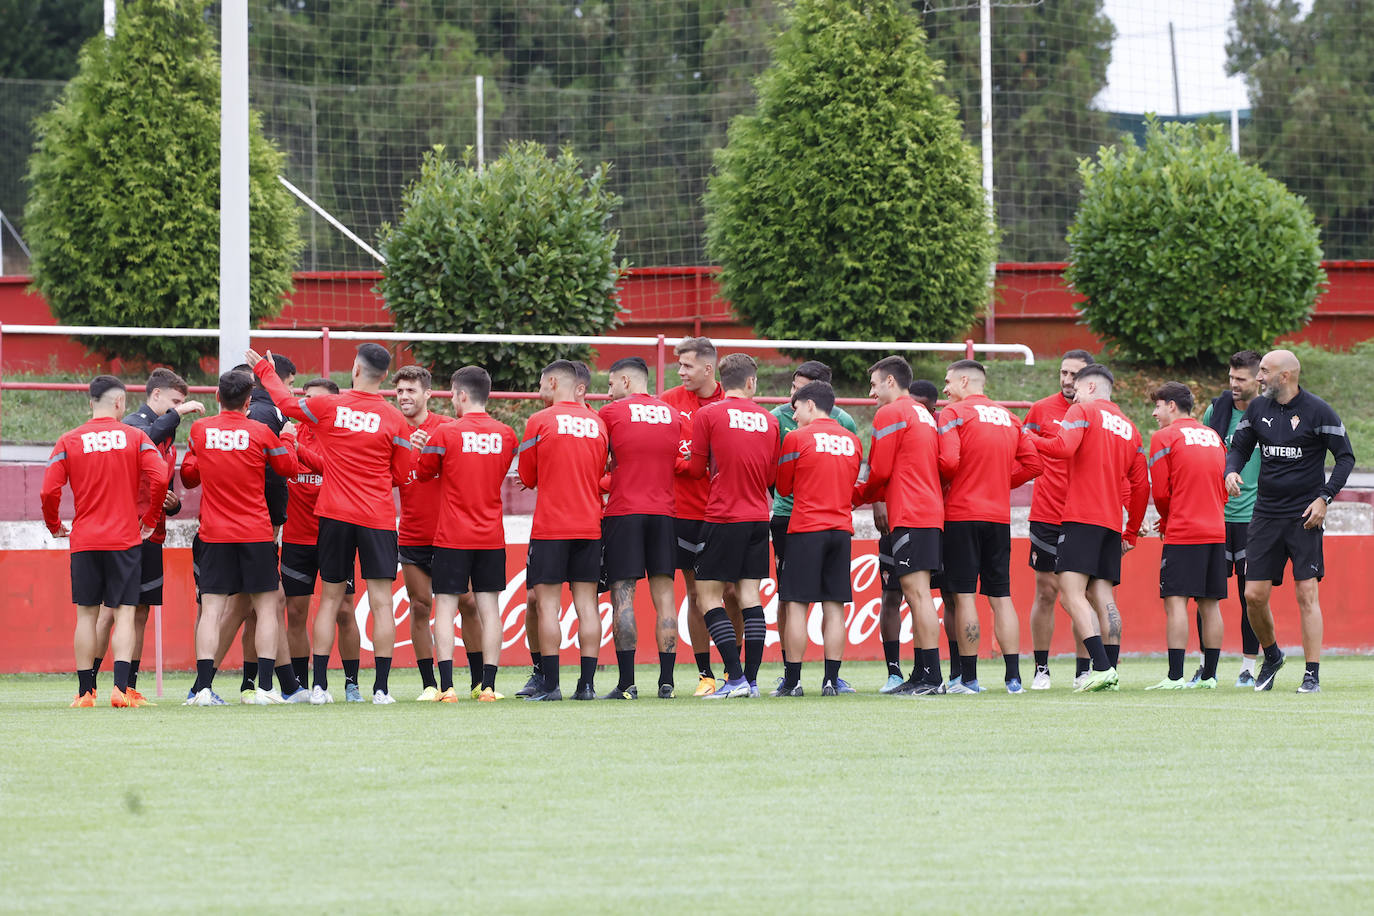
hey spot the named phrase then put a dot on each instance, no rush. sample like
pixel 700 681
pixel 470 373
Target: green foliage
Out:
pixel 1184 251
pixel 123 218
pixel 848 206
pixel 39 39
pixel 521 247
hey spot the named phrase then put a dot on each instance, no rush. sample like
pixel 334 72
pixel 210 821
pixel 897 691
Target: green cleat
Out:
pixel 1098 680
pixel 1205 683
pixel 1179 684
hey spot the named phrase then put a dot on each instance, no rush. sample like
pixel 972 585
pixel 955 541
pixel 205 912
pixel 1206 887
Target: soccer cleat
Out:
pixel 828 689
pixel 842 686
pixel 121 700
pixel 1014 686
pixel 627 693
pixel 476 692
pixel 961 687
pixel 190 697
pixel 926 689
pixel 1245 679
pixel 382 698
pixel 267 698
pixel 1309 684
pixel 705 687
pixel 448 696
pixel 728 689
pixel 891 684
pixel 489 695
pixel 754 690
pixel 666 692
pixel 319 696
pixel 139 699
pixel 85 701
pixel 248 697
pixel 352 693
pixel 300 696
pixel 951 683
pixel 428 695
pixel 1197 676
pixel 548 696
pixel 1179 684
pixel 1206 683
pixel 533 687
pixel 584 692
pixel 785 691
pixel 1079 680
pixel 1098 680
pixel 1041 681
pixel 1265 679
pixel 208 697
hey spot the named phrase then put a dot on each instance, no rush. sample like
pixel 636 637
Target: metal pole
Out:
pixel 110 13
pixel 314 176
pixel 481 125
pixel 1235 131
pixel 985 65
pixel 324 355
pixel 662 365
pixel 1173 59
pixel 968 348
pixel 233 184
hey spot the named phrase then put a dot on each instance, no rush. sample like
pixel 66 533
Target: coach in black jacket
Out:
pixel 1294 430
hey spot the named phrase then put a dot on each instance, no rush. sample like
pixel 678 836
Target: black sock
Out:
pixel 1013 666
pixel 704 664
pixel 1113 652
pixel 968 668
pixel 133 673
pixel 350 670
pixel 955 659
pixel 301 667
pixel 666 662
pixel 121 675
pixel 1313 668
pixel 474 668
pixel 1082 664
pixel 723 635
pixel 205 674
pixel 587 675
pixel 265 666
pixel 536 665
pixel 85 681
pixel 625 667
pixel 791 674
pixel 426 668
pixel 832 672
pixel 382 673
pixel 446 675
pixel 1175 664
pixel 1272 653
pixel 95 665
pixel 322 672
pixel 1042 659
pixel 1209 662
pixel 250 674
pixel 892 654
pixel 1098 654
pixel 1199 626
pixel 489 677
pixel 930 667
pixel 289 682
pixel 548 667
pixel 755 635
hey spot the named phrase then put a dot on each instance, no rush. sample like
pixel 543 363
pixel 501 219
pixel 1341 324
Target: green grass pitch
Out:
pixel 1159 802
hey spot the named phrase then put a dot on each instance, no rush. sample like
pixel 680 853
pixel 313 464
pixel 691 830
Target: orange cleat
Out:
pixel 138 698
pixel 121 700
pixel 85 701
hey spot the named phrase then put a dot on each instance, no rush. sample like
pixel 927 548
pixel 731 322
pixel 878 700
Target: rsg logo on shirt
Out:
pixel 650 413
pixel 1117 425
pixel 992 415
pixel 830 444
pixel 747 420
pixel 107 440
pixel 582 427
pixel 226 440
pixel 1203 437
pixel 482 443
pixel 356 421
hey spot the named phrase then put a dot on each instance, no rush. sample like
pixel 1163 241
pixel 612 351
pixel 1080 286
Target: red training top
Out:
pixel 903 464
pixel 820 463
pixel 228 455
pixel 1187 472
pixel 690 493
pixel 420 498
pixel 738 441
pixel 644 434
pixel 365 445
pixel 469 458
pixel 302 491
pixel 106 462
pixel 1047 497
pixel 1106 467
pixel 563 456
pixel 168 451
pixel 984 457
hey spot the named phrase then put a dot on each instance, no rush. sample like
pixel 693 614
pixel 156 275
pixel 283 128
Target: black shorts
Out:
pixel 777 530
pixel 733 551
pixel 150 574
pixel 417 555
pixel 457 570
pixel 915 549
pixel 227 569
pixel 108 577
pixel 1092 550
pixel 1044 546
pixel 817 567
pixel 1237 540
pixel 689 542
pixel 339 542
pixel 553 562
pixel 1193 571
pixel 978 556
pixel 636 546
pixel 1275 541
pixel 300 564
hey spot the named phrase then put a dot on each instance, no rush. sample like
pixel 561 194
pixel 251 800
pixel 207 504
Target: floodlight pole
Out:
pixel 233 184
pixel 985 65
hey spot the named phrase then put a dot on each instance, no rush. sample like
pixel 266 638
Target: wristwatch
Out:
pixel 1326 499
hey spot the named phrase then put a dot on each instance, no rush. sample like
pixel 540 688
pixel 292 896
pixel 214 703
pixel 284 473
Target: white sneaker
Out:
pixel 1041 681
pixel 319 696
pixel 300 696
pixel 206 698
pixel 267 698
pixel 1081 679
pixel 382 698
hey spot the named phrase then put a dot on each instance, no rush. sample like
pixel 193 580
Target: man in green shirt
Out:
pixel 809 371
pixel 1223 416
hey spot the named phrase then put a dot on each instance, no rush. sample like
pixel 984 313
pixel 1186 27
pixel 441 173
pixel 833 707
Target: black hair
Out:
pixel 165 378
pixel 894 367
pixel 813 370
pixel 235 387
pixel 581 372
pixel 819 393
pixel 375 359
pixel 924 390
pixel 1097 370
pixel 103 383
pixel 1246 359
pixel 736 370
pixel 329 384
pixel 631 364
pixel 414 374
pixel 475 380
pixel 1177 392
pixel 285 368
pixel 968 365
pixel 1083 355
pixel 561 367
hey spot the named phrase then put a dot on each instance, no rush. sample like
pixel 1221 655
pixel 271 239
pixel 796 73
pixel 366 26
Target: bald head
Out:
pixel 1278 375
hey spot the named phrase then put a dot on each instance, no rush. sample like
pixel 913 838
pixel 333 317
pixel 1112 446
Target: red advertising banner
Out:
pixel 36 614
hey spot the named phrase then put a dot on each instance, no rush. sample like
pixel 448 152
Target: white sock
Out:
pixel 1247 666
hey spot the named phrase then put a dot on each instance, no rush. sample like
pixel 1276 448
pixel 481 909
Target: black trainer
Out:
pixel 584 692
pixel 1265 679
pixel 665 692
pixel 785 691
pixel 927 689
pixel 1309 684
pixel 828 689
pixel 908 688
pixel 628 693
pixel 549 696
pixel 533 687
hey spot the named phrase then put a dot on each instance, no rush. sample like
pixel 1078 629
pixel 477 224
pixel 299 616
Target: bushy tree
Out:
pixel 522 247
pixel 1184 251
pixel 848 205
pixel 123 216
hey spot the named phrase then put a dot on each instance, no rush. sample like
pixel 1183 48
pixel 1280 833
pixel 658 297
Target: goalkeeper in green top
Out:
pixel 1223 416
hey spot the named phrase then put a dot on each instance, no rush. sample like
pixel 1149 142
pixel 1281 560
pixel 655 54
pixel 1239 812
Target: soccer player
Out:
pixel 807 372
pixel 1103 449
pixel 981 450
pixel 1047 505
pixel 819 464
pixel 107 464
pixel 563 456
pixel 469 459
pixel 227 455
pixel 366 451
pixel 1294 430
pixel 1187 463
pixel 419 516
pixel 638 534
pixel 736 442
pixel 1223 415
pixel 903 465
pixel 696 366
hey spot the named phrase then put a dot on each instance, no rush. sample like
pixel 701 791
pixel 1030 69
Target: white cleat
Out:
pixel 319 696
pixel 300 696
pixel 382 698
pixel 267 698
pixel 1041 681
pixel 206 697
pixel 1080 680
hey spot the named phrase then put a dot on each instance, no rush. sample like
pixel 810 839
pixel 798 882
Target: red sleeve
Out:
pixel 54 478
pixel 281 455
pixel 190 466
pixel 153 468
pixel 701 448
pixel 529 461
pixel 1140 495
pixel 777 451
pixel 787 463
pixel 1029 464
pixel 1160 482
pixel 1070 435
pixel 882 452
pixel 431 457
pixel 682 467
pixel 402 457
pixel 949 444
pixel 308 456
pixel 286 402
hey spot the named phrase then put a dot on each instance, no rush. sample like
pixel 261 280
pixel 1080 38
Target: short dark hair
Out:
pixel 285 368
pixel 813 370
pixel 894 367
pixel 165 378
pixel 924 390
pixel 1177 392
pixel 634 364
pixel 581 372
pixel 701 346
pixel 103 383
pixel 375 359
pixel 414 374
pixel 475 380
pixel 819 393
pixel 736 370
pixel 562 367
pixel 243 367
pixel 968 365
pixel 1097 370
pixel 328 384
pixel 235 387
pixel 1246 359
pixel 1084 355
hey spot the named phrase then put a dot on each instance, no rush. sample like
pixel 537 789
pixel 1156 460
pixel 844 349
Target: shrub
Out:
pixel 521 247
pixel 1184 251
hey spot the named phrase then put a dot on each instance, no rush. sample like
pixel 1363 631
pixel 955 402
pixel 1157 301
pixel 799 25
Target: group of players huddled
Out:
pixel 694 481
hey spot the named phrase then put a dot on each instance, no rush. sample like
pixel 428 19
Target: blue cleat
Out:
pixel 1014 686
pixel 728 689
pixel 352 694
pixel 952 683
pixel 893 682
pixel 842 686
pixel 961 687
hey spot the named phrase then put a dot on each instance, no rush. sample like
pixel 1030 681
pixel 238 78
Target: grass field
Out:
pixel 1219 801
